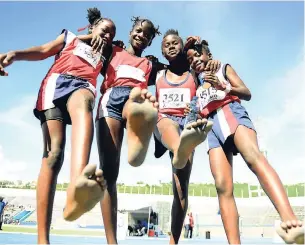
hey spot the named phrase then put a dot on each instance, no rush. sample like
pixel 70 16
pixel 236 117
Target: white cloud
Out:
pixel 283 130
pixel 12 170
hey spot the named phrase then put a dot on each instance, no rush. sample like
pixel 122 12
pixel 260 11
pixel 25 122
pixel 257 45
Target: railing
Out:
pixel 206 190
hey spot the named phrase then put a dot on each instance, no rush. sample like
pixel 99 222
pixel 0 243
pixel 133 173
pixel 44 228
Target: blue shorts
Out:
pixel 112 103
pixel 225 122
pixel 160 149
pixel 67 84
pixel 53 98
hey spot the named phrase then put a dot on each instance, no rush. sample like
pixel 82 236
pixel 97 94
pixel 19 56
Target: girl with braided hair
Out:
pixel 66 96
pixel 175 87
pixel 232 133
pixel 125 102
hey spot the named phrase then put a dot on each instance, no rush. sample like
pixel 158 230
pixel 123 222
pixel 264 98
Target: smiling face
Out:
pixel 141 35
pixel 105 29
pixel 172 47
pixel 198 60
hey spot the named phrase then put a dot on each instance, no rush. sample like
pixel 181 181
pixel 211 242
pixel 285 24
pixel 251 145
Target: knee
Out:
pixel 55 157
pixel 224 187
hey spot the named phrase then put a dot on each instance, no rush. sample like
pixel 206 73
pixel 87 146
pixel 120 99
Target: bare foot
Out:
pixel 85 193
pixel 142 115
pixel 291 232
pixel 192 135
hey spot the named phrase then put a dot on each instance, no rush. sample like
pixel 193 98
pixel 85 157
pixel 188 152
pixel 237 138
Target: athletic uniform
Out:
pixel 124 72
pixel 172 100
pixel 224 110
pixel 75 67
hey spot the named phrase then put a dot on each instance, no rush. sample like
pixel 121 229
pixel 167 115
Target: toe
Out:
pixel 194 124
pixel 99 173
pixel 152 99
pixel 204 121
pixel 284 226
pixel 89 170
pixel 135 94
pixel 289 224
pixel 188 126
pixel 148 95
pixel 144 92
pixel 294 223
pixel 209 126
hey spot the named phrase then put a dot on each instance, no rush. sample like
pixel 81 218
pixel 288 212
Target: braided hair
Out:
pixel 154 30
pixel 94 17
pixel 199 47
pixel 172 32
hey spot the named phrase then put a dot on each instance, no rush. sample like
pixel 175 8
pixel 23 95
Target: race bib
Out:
pixel 127 71
pixel 85 52
pixel 207 95
pixel 174 97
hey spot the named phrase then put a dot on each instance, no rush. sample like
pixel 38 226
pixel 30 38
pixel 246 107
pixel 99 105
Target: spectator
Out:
pixel 2 205
pixel 191 224
pixel 186 226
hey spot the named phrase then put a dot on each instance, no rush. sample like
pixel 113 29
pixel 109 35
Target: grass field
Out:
pixel 241 190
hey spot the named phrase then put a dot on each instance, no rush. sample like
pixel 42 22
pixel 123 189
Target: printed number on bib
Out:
pixel 205 96
pixel 84 51
pixel 127 71
pixel 174 97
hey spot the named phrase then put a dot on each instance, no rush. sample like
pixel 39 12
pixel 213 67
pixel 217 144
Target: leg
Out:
pixel 246 142
pixel 169 131
pixel 186 231
pixel 87 185
pixel 141 114
pixel 181 179
pixel 221 167
pixel 182 145
pixel 54 143
pixel 191 232
pixel 192 135
pixel 109 135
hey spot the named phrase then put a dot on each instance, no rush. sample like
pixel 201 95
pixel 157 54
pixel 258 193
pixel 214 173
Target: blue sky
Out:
pixel 263 41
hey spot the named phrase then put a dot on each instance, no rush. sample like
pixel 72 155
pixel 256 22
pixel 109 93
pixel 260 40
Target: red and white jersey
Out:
pixel 125 69
pixel 76 59
pixel 173 97
pixel 210 99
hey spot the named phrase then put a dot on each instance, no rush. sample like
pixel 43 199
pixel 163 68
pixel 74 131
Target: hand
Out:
pixel 97 43
pixel 119 43
pixel 156 63
pixel 152 58
pixel 214 81
pixel 187 109
pixel 213 66
pixel 6 60
pixel 191 40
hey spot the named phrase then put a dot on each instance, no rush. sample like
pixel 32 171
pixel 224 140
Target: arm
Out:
pixel 238 87
pixel 156 67
pixel 32 54
pixel 40 52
